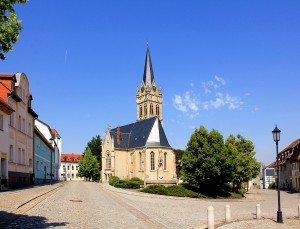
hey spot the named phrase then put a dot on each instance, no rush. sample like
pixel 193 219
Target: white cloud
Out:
pixel 214 84
pixel 191 103
pixel 255 109
pixel 220 80
pixel 178 103
pixel 188 103
pixel 231 102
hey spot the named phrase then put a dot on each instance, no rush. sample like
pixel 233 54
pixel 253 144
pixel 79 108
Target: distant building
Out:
pixel 14 90
pixel 54 139
pixel 141 149
pixel 69 167
pixel 289 163
pixel 43 157
pixel 268 175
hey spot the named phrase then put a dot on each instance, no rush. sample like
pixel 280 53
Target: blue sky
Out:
pixel 229 65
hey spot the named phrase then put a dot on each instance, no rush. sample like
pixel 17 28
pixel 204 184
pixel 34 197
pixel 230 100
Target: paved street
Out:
pixel 94 205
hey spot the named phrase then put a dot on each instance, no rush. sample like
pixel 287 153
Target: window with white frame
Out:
pixel 38 166
pixel 1 122
pixel 23 125
pixel 11 119
pixel 30 162
pixel 11 153
pixel 19 123
pixel 19 156
pixel 23 156
pixel 29 128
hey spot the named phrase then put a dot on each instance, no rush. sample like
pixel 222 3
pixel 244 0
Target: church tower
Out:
pixel 149 97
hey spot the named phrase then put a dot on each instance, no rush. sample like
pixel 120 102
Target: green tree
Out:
pixel 10 26
pixel 95 146
pixel 89 166
pixel 206 160
pixel 244 165
pixel 178 156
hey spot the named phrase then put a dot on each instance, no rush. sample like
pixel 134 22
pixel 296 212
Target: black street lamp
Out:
pixel 276 138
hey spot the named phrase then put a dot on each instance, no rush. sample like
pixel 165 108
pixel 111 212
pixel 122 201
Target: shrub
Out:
pixel 272 186
pixel 178 190
pixel 155 189
pixel 137 180
pixel 113 180
pixel 127 184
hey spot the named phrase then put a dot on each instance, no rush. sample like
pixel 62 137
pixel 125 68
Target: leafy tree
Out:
pixel 10 26
pixel 89 166
pixel 178 156
pixel 206 160
pixel 95 146
pixel 244 165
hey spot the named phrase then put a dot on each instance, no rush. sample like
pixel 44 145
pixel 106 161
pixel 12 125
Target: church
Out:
pixel 141 149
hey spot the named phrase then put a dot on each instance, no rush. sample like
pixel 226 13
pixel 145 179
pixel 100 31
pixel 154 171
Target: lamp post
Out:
pixel 276 138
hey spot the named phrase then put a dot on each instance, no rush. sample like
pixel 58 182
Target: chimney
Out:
pixel 118 135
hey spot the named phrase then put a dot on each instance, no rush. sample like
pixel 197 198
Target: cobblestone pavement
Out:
pixel 93 205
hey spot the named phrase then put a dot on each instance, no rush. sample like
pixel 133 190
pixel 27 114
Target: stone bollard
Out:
pixel 227 214
pixel 258 212
pixel 210 218
pixel 299 211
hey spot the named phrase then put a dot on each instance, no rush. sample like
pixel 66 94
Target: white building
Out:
pixel 69 167
pixel 55 139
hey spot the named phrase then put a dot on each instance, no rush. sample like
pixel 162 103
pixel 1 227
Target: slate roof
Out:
pixel 137 134
pixel 148 70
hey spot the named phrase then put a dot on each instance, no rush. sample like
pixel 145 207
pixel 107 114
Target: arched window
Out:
pixel 140 160
pixel 157 110
pixel 152 160
pixel 145 109
pixel 151 109
pixel 165 161
pixel 108 161
pixel 141 111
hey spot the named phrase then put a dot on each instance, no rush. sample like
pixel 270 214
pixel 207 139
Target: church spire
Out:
pixel 148 70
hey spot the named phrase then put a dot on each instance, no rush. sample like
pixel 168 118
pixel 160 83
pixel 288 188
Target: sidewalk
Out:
pixel 251 197
pixel 13 199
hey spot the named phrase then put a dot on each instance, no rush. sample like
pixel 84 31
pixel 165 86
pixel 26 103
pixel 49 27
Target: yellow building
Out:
pixel 141 149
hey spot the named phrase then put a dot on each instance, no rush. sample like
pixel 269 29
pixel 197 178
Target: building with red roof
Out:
pixel 289 163
pixel 70 166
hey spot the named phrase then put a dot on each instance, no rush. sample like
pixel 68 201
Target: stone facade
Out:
pixel 141 149
pixel 14 89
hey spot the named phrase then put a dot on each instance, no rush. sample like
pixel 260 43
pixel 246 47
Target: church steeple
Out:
pixel 148 70
pixel 148 97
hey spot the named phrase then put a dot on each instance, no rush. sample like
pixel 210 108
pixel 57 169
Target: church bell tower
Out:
pixel 149 97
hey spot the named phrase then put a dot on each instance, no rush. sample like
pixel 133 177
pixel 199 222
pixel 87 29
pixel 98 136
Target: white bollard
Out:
pixel 299 211
pixel 227 214
pixel 210 218
pixel 258 212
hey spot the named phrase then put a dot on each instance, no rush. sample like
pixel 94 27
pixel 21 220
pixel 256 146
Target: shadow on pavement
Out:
pixel 11 220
